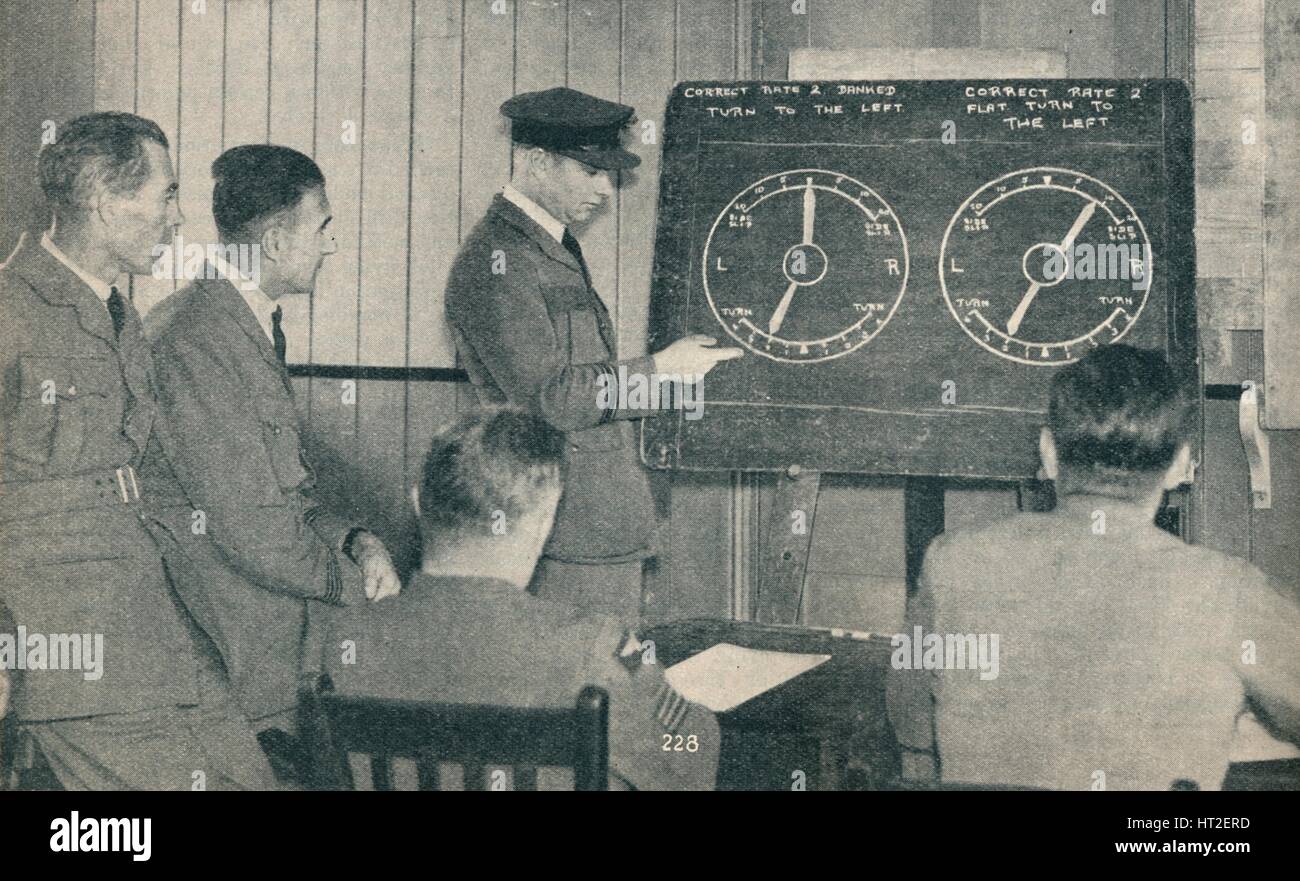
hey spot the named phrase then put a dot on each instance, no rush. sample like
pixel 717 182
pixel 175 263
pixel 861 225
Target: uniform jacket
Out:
pixel 479 640
pixel 1120 651
pixel 232 435
pixel 77 549
pixel 537 334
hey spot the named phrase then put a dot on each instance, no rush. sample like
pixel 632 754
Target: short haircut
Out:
pixel 255 184
pixel 96 150
pixel 1118 417
pixel 490 459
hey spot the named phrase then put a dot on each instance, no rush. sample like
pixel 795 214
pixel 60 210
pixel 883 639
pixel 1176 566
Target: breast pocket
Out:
pixel 57 398
pixel 577 329
pixel 284 448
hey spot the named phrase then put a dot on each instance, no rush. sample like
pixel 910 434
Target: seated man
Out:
pixel 465 630
pixel 1121 656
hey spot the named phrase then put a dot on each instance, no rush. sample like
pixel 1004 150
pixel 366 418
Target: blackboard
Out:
pixel 907 263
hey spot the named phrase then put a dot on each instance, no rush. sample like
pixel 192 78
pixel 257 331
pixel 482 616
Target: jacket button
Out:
pixel 72 390
pixel 275 430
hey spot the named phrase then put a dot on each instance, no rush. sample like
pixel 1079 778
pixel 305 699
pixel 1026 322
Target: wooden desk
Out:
pixel 822 722
pixel 832 719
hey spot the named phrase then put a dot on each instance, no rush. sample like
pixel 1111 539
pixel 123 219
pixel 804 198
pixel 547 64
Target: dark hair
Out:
pixel 1118 416
pixel 98 149
pixel 254 183
pixel 488 460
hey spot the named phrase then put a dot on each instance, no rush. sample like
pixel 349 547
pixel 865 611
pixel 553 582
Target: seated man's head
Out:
pixel 1119 423
pixel 273 198
pixel 109 182
pixel 487 495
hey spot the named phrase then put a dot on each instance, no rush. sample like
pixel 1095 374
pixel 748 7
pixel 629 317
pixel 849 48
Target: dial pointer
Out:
pixel 774 323
pixel 1013 323
pixel 809 212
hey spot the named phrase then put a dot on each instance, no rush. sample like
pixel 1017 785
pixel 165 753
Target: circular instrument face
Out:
pixel 1044 264
pixel 805 266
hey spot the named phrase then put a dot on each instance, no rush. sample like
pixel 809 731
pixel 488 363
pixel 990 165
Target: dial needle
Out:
pixel 809 211
pixel 1013 323
pixel 809 215
pixel 774 323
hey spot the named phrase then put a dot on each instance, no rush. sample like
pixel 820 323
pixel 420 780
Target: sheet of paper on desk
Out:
pixel 727 675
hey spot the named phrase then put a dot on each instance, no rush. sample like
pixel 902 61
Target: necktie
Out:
pixel 277 335
pixel 117 310
pixel 572 246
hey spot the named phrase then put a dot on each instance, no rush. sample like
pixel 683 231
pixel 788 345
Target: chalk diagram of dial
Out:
pixel 1013 273
pixel 805 266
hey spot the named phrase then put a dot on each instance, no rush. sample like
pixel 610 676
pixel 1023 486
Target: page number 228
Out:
pixel 690 743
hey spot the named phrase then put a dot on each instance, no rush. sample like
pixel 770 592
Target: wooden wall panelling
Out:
pixel 158 97
pixel 435 216
pixel 954 23
pixel 1066 25
pixel 36 88
pixel 893 23
pixel 706 34
pixel 338 138
pixel 542 48
pixel 594 62
pixel 487 78
pixel 379 473
pixel 777 30
pixel 1139 38
pixel 202 37
pixel 248 71
pixel 694 570
pixel 115 70
pixel 292 114
pixel 1281 144
pixel 489 52
pixel 648 42
pixel 1229 177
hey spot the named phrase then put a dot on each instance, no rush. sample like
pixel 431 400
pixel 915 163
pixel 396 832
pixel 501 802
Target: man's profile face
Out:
pixel 578 190
pixel 142 220
pixel 307 240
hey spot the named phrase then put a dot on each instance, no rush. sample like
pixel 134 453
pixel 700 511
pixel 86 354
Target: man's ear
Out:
pixel 273 242
pixel 1181 470
pixel 539 161
pixel 1050 467
pixel 105 207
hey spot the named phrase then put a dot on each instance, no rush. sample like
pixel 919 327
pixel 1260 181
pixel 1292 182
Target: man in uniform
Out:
pixel 531 329
pixel 465 629
pixel 79 548
pixel 231 433
pixel 1124 654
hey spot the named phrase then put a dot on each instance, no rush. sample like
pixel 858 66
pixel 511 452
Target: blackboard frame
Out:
pixel 774 438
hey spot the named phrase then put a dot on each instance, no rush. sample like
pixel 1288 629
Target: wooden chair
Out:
pixel 474 736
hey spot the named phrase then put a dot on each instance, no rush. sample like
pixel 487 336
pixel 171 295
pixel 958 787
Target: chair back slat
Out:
pixel 525 778
pixel 381 772
pixel 476 737
pixel 430 778
pixel 475 776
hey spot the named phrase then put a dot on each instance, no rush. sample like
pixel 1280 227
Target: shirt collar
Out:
pixel 1083 506
pixel 102 289
pixel 262 305
pixel 537 213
